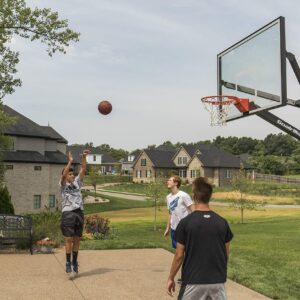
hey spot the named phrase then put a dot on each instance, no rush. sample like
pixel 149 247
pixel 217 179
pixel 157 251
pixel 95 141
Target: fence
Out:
pixel 276 178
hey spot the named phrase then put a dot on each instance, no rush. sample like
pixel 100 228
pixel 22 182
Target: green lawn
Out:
pixel 264 252
pixel 113 204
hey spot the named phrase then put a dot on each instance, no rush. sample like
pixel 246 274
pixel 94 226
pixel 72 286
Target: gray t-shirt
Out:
pixel 71 195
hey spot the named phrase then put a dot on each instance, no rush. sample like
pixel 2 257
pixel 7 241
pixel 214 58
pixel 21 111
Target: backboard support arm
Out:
pixel 294 64
pixel 279 123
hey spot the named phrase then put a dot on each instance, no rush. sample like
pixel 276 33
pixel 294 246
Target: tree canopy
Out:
pixel 44 25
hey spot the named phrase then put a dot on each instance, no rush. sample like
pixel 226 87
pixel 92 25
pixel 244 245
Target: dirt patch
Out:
pixel 91 199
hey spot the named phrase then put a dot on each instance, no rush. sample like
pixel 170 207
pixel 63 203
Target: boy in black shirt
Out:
pixel 203 239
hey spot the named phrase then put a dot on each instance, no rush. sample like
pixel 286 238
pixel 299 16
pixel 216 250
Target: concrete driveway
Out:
pixel 106 275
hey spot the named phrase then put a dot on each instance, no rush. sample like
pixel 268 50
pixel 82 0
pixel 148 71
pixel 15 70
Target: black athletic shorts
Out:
pixel 72 223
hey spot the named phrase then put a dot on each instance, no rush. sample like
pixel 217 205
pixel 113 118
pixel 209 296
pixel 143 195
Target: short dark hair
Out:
pixel 202 190
pixel 177 180
pixel 70 170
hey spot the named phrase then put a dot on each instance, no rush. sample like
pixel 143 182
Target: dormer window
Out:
pixel 143 162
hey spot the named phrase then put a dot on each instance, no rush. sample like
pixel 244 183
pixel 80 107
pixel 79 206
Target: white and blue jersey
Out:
pixel 178 207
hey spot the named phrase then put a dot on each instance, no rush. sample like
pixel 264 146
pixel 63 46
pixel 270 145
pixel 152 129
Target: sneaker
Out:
pixel 75 267
pixel 68 267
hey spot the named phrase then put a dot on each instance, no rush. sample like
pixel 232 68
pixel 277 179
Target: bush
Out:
pixel 47 224
pixel 6 206
pixel 97 226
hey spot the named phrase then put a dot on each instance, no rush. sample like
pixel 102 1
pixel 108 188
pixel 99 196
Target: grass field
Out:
pixel 268 192
pixel 264 252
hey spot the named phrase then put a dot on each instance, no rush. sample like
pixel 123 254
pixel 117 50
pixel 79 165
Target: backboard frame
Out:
pixel 283 97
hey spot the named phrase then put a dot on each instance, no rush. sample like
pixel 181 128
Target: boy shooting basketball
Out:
pixel 72 211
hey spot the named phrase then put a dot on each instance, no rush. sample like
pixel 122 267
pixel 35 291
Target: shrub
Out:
pixel 47 224
pixel 97 226
pixel 6 206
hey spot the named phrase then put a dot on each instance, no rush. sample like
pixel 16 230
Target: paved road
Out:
pixel 104 274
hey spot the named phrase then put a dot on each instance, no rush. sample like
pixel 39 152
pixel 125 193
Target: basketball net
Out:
pixel 218 107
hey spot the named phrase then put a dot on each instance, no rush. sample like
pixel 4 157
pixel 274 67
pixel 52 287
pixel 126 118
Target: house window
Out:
pixel 148 173
pixel 9 167
pixel 51 201
pixel 193 173
pixel 37 201
pixel 228 173
pixel 138 173
pixel 182 173
pixel 94 157
pixel 37 168
pixel 182 160
pixel 143 162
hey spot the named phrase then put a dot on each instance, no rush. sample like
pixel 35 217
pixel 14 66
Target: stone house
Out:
pixel 33 165
pixel 151 164
pixel 188 162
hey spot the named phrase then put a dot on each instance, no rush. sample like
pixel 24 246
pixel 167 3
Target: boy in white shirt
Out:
pixel 179 205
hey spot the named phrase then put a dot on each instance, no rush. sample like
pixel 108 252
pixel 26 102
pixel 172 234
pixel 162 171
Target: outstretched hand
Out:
pixel 86 152
pixel 70 157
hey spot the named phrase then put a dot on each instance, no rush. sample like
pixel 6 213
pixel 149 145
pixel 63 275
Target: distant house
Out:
pixel 217 165
pixel 98 159
pixel 151 164
pixel 34 164
pixel 188 162
pixel 127 163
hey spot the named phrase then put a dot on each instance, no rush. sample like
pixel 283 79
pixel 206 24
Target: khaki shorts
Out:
pixel 214 291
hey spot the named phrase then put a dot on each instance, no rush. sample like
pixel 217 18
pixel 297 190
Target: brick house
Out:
pixel 188 162
pixel 33 165
pixel 151 164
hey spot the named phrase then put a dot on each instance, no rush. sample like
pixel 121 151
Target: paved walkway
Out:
pixel 106 275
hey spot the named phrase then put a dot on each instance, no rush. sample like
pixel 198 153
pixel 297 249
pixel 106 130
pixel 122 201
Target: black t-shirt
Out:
pixel 204 234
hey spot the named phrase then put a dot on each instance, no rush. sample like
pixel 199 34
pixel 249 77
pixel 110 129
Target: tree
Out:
pixel 94 178
pixel 241 184
pixel 157 192
pixel 280 144
pixel 6 206
pixel 16 19
pixel 5 141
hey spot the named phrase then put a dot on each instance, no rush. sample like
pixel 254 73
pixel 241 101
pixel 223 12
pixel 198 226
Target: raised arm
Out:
pixel 66 169
pixel 83 163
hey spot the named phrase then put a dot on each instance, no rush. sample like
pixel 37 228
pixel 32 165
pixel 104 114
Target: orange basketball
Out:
pixel 104 107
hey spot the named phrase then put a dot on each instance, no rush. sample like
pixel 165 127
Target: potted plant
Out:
pixel 45 245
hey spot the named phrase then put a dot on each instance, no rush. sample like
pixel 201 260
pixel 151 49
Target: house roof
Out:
pixel 77 151
pixel 135 153
pixel 211 156
pixel 161 159
pixel 50 157
pixel 26 127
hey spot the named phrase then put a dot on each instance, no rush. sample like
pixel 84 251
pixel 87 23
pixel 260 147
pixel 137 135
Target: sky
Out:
pixel 153 60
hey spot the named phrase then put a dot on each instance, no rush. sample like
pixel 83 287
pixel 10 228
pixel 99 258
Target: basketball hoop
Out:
pixel 218 107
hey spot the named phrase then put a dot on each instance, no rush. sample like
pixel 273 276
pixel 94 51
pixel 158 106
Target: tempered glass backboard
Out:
pixel 255 69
